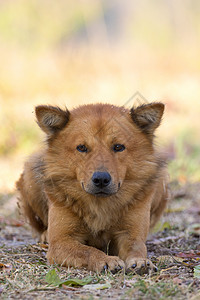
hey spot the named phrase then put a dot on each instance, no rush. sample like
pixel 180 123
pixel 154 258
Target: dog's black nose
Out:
pixel 101 179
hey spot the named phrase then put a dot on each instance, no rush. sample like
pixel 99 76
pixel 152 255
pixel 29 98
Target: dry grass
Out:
pixel 174 248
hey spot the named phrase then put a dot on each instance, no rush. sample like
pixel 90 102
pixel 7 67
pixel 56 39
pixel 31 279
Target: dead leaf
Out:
pixel 164 276
pixel 197 271
pixel 191 254
pixel 194 229
pixel 164 270
pixel 175 209
pixel 98 286
pixel 161 226
pixel 40 247
pixel 168 238
pixel 169 258
pixel 182 179
pixel 43 245
pixel 194 209
pixel 69 288
pixel 11 222
pixel 177 280
pixel 196 297
pixel 181 193
pixel 5 268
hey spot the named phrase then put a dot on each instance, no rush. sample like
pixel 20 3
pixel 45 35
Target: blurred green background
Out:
pixel 77 52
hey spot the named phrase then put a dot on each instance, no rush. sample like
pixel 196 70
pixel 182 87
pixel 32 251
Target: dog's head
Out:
pixel 100 149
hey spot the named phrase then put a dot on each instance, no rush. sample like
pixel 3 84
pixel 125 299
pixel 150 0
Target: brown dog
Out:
pixel 98 185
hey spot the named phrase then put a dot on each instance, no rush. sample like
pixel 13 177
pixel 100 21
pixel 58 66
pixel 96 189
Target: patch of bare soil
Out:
pixel 174 247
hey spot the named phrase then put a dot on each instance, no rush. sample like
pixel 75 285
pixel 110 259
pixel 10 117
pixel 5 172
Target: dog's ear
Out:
pixel 148 116
pixel 51 119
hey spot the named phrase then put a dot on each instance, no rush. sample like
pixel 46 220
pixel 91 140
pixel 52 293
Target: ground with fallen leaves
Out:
pixel 174 247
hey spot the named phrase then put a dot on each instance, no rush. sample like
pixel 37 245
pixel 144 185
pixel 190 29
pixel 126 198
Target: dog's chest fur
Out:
pixel 98 216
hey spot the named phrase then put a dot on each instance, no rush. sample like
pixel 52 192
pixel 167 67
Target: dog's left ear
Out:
pixel 148 116
pixel 51 119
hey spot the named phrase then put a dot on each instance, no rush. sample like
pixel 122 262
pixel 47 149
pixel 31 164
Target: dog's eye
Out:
pixel 118 148
pixel 82 148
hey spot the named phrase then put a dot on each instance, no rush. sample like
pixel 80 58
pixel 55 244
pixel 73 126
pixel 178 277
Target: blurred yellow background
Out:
pixel 78 52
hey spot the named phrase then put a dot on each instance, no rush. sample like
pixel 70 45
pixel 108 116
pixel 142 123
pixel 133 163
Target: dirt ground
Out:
pixel 174 247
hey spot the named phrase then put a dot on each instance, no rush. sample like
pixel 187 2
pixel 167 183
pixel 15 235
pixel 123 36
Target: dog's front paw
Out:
pixel 44 237
pixel 140 266
pixel 111 263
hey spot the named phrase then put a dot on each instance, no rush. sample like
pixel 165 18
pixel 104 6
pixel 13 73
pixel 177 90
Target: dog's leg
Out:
pixel 160 200
pixel 131 239
pixel 66 243
pixel 32 204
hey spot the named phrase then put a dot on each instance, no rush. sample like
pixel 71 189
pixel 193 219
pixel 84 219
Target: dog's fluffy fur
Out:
pixel 86 228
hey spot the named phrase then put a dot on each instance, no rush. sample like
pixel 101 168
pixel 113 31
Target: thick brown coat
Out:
pixel 57 193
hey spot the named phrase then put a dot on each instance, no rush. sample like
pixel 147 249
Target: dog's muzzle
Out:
pixel 101 185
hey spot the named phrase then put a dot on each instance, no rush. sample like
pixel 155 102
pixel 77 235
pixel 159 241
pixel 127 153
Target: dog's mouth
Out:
pixel 106 192
pixel 102 194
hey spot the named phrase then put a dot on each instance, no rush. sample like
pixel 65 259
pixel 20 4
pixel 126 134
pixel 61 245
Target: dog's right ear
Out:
pixel 148 116
pixel 51 119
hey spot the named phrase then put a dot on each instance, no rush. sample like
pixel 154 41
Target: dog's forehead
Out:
pixel 100 119
pixel 98 111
